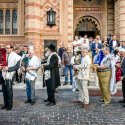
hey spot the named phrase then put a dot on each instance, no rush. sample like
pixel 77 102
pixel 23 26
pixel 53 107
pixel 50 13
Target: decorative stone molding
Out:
pixel 89 18
pixel 88 2
pixel 94 9
pixel 8 5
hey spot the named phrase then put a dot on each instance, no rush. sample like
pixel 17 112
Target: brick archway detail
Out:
pixel 89 18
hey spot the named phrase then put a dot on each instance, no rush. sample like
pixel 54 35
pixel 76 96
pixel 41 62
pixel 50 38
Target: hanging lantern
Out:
pixel 51 17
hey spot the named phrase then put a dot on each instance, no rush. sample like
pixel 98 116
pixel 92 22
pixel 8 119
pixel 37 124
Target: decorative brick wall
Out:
pixel 120 19
pixel 32 24
pixel 70 20
pixel 46 5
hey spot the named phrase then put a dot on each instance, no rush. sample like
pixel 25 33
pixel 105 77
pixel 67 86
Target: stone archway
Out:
pixel 87 25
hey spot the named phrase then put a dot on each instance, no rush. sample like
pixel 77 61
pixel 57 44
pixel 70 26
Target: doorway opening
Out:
pixel 87 26
pixel 88 33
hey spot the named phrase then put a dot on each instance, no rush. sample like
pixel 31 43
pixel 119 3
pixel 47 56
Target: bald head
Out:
pixel 31 52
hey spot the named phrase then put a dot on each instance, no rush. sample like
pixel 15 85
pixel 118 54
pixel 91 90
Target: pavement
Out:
pixel 65 112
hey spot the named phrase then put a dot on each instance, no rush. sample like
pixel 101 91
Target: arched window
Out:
pixel 7 22
pixel 1 22
pixel 14 22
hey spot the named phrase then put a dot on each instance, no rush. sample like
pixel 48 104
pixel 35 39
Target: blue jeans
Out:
pixel 68 68
pixel 30 89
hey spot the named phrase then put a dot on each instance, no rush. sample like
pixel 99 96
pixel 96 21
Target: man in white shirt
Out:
pixel 85 44
pixel 31 75
pixel 113 44
pixel 99 38
pixel 8 71
pixel 77 44
pixel 83 79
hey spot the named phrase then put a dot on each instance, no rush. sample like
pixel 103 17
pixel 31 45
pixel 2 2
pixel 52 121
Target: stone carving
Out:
pixel 88 9
pixel 88 2
pixel 88 23
pixel 8 5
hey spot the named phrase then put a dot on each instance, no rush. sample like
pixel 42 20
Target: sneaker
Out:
pixel 3 107
pixel 106 103
pixel 122 101
pixel 32 102
pixel 77 90
pixel 70 83
pixel 8 108
pixel 77 101
pixel 27 101
pixel 101 101
pixel 85 106
pixel 62 75
pixel 65 83
pixel 50 104
pixel 46 100
pixel 73 90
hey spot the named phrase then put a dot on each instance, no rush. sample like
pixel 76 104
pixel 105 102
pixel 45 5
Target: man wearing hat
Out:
pixel 52 77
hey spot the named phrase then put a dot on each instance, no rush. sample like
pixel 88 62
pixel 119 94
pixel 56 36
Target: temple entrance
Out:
pixel 88 33
pixel 87 26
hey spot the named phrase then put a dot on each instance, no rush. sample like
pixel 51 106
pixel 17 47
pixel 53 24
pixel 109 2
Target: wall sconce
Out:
pixel 51 17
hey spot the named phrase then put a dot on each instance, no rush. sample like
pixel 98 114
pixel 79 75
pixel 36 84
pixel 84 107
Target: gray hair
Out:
pixel 107 48
pixel 31 50
pixel 85 50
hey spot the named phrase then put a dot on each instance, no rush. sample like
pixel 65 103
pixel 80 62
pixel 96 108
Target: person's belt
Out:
pixel 104 70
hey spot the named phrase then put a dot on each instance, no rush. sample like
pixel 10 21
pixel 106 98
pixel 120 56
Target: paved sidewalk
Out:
pixel 39 85
pixel 65 112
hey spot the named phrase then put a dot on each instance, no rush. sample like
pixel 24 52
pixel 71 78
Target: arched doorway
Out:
pixel 87 25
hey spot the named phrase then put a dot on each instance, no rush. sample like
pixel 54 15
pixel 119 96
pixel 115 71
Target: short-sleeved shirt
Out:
pixel 106 61
pixel 77 47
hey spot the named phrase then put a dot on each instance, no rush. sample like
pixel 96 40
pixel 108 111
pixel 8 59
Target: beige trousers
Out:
pixel 83 91
pixel 104 83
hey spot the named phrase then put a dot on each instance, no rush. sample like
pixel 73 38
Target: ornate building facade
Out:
pixel 25 21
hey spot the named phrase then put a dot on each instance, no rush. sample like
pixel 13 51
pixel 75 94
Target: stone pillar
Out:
pixel 20 16
pixel 67 21
pixel 32 24
pixel 120 19
pixel 64 27
pixel 104 31
pixel 11 11
pixel 70 21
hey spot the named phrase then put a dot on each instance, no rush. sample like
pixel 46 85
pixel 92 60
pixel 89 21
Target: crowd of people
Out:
pixel 104 57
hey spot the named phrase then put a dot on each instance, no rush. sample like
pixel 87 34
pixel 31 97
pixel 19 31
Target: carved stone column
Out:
pixel 120 19
pixel 32 24
pixel 104 31
pixel 4 15
pixel 11 13
pixel 67 20
pixel 20 12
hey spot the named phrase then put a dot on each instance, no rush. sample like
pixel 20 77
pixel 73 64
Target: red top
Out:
pixel 3 61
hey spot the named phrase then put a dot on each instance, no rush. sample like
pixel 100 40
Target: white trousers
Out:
pixel 83 91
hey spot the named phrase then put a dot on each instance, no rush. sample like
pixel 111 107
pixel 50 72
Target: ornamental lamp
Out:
pixel 51 17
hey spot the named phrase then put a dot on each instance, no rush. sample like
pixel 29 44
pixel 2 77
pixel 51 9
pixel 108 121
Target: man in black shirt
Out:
pixel 60 53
